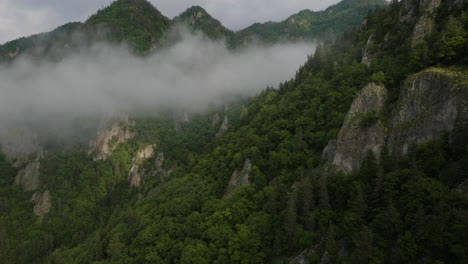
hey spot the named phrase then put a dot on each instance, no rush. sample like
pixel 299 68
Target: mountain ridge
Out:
pixel 122 21
pixel 270 184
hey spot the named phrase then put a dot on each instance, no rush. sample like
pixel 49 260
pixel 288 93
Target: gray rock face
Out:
pixel 428 106
pixel 224 127
pixel 29 177
pixel 426 22
pixel 136 174
pixel 367 54
pixel 239 178
pixel 107 140
pixel 356 138
pixel 42 203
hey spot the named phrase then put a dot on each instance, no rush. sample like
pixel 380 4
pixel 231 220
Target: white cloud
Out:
pixel 192 74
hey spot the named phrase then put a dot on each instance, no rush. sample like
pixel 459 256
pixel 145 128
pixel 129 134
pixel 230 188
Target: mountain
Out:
pixel 308 24
pixel 360 158
pixel 197 19
pixel 38 45
pixel 136 21
pixel 143 27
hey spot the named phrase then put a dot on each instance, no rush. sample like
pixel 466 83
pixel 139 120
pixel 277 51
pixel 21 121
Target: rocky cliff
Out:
pixel 136 174
pixel 42 203
pixel 224 127
pixel 429 104
pixel 426 20
pixel 29 177
pixel 109 138
pixel 362 130
pixel 239 178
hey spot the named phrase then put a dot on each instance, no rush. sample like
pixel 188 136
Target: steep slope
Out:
pixel 430 105
pixel 142 26
pixel 259 191
pixel 135 21
pixel 199 20
pixel 56 42
pixel 308 24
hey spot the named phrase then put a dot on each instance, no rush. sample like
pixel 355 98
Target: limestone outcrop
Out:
pixel 29 177
pixel 239 178
pixel 426 20
pixel 429 105
pixel 362 130
pixel 42 203
pixel 367 54
pixel 136 174
pixel 108 139
pixel 224 127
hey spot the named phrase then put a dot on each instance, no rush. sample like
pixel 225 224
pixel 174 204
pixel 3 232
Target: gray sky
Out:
pixel 25 17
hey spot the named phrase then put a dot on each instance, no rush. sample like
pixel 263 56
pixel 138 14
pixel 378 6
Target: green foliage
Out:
pixel 399 210
pixel 307 24
pixel 136 21
pixel 197 19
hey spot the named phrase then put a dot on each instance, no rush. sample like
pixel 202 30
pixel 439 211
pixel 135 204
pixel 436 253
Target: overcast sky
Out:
pixel 25 17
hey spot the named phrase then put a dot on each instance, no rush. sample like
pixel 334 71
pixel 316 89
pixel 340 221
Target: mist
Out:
pixel 192 74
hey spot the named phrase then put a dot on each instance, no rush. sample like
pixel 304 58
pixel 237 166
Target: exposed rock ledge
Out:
pixel 239 178
pixel 361 131
pixel 429 104
pixel 224 127
pixel 107 140
pixel 136 174
pixel 42 203
pixel 29 177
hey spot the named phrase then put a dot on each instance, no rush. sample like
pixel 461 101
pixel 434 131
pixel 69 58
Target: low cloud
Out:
pixel 192 74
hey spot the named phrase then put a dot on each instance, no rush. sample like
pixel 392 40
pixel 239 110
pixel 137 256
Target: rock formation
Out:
pixel 426 20
pixel 428 106
pixel 239 178
pixel 136 174
pixel 367 54
pixel 29 177
pixel 108 139
pixel 42 203
pixel 224 127
pixel 362 130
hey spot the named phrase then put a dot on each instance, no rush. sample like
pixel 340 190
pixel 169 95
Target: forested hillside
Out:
pixel 251 182
pixel 326 24
pixel 141 26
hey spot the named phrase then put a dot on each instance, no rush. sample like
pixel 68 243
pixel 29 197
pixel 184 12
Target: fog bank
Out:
pixel 192 74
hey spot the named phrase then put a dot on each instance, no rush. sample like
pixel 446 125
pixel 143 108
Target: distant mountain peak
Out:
pixel 194 14
pixel 198 19
pixel 136 21
pixel 195 9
